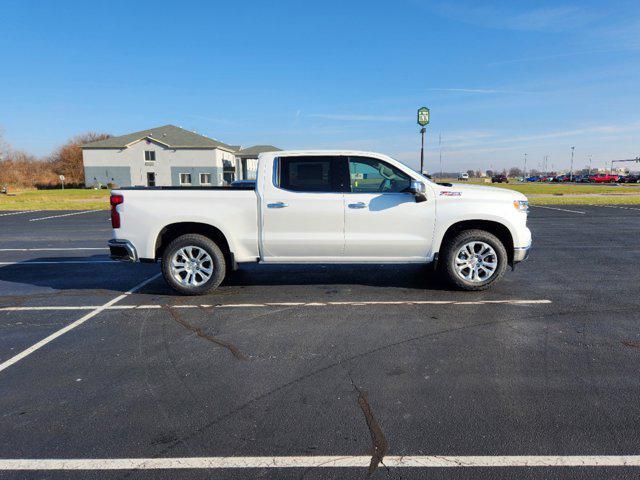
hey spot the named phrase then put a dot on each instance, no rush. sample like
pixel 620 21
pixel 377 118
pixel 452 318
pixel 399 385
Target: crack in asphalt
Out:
pixel 235 351
pixel 379 444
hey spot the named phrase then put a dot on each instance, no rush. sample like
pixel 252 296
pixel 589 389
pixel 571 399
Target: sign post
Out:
pixel 423 120
pixel 62 180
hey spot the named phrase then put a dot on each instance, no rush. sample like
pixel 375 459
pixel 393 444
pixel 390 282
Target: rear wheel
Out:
pixel 193 264
pixel 473 259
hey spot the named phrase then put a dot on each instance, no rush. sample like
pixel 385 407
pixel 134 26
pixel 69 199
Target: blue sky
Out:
pixel 501 78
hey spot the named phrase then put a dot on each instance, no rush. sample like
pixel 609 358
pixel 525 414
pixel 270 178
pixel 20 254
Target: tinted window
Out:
pixel 369 175
pixel 309 174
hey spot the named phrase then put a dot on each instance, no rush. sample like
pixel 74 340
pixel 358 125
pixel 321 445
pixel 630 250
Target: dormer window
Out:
pixel 149 156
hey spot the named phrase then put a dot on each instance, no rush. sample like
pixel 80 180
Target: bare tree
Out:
pixel 515 172
pixel 67 160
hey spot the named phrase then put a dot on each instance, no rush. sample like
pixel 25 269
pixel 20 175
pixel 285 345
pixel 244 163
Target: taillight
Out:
pixel 115 216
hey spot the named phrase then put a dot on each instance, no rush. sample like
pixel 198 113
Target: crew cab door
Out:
pixel 383 221
pixel 303 210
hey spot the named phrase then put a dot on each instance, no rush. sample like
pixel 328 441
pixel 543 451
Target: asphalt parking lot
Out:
pixel 321 371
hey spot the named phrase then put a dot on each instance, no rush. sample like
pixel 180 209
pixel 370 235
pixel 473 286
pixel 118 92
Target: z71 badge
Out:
pixel 450 194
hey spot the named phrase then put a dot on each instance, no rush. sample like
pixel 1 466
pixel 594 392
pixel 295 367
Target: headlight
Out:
pixel 521 205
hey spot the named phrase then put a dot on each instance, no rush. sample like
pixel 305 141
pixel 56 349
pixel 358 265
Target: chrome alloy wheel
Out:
pixel 191 266
pixel 476 262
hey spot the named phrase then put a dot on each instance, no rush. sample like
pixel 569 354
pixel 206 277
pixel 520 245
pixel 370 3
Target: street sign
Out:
pixel 423 116
pixel 62 178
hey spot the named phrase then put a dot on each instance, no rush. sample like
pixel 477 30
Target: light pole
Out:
pixel 524 174
pixel 423 120
pixel 571 171
pixel 589 165
pixel 422 131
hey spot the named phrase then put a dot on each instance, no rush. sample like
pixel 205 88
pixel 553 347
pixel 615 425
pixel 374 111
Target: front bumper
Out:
pixel 122 250
pixel 521 253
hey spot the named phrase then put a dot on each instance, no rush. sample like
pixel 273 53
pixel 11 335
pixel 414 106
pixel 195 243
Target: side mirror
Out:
pixel 418 189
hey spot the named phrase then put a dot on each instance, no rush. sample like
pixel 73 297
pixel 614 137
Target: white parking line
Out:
pixel 20 213
pixel 617 206
pixel 51 249
pixel 559 209
pixel 73 325
pixel 63 215
pixel 346 461
pixel 275 304
pixel 49 262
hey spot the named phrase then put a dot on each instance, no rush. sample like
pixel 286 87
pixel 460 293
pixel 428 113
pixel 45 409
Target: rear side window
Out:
pixel 309 174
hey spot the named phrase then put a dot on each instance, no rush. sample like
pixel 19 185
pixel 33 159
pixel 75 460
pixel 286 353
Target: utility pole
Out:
pixel 571 171
pixel 546 165
pixel 440 147
pixel 524 174
pixel 589 165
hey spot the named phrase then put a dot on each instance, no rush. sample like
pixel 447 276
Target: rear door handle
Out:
pixel 277 205
pixel 358 205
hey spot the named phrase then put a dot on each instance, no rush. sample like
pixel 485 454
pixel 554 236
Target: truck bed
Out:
pixel 147 211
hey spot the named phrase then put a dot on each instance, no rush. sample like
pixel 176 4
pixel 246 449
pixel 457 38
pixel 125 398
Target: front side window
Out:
pixel 149 156
pixel 205 179
pixel 370 175
pixel 185 179
pixel 309 174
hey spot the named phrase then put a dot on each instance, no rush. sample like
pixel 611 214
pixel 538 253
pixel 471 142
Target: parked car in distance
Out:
pixel 248 184
pixel 631 178
pixel 581 178
pixel 322 206
pixel 603 178
pixel 463 176
pixel 534 178
pixel 500 178
pixel 562 178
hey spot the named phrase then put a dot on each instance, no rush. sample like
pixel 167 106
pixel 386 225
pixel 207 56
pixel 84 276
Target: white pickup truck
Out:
pixel 322 207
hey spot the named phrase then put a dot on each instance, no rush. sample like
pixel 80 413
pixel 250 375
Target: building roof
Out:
pixel 253 151
pixel 169 135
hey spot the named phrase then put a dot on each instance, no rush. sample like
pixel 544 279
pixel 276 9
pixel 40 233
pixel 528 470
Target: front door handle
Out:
pixel 277 205
pixel 358 205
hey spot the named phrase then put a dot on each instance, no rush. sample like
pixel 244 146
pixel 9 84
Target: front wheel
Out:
pixel 193 264
pixel 473 259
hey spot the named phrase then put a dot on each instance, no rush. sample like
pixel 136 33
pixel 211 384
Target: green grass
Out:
pixel 68 199
pixel 587 200
pixel 555 188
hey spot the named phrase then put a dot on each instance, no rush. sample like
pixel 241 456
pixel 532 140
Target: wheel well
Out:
pixel 173 231
pixel 497 229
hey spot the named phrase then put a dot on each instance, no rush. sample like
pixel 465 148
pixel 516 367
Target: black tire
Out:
pixel 455 243
pixel 208 246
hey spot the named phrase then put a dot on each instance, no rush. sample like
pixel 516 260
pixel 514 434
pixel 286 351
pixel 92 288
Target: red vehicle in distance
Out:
pixel 603 178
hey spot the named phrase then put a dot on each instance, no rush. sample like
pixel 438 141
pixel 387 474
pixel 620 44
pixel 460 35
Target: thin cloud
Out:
pixel 510 17
pixel 561 55
pixel 360 118
pixel 476 90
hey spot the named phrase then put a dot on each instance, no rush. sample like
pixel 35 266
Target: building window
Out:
pixel 229 171
pixel 185 179
pixel 149 156
pixel 205 179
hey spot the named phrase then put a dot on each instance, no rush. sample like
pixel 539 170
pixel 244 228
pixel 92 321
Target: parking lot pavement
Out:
pixel 36 230
pixel 287 368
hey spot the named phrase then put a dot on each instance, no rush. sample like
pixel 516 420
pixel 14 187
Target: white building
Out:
pixel 165 156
